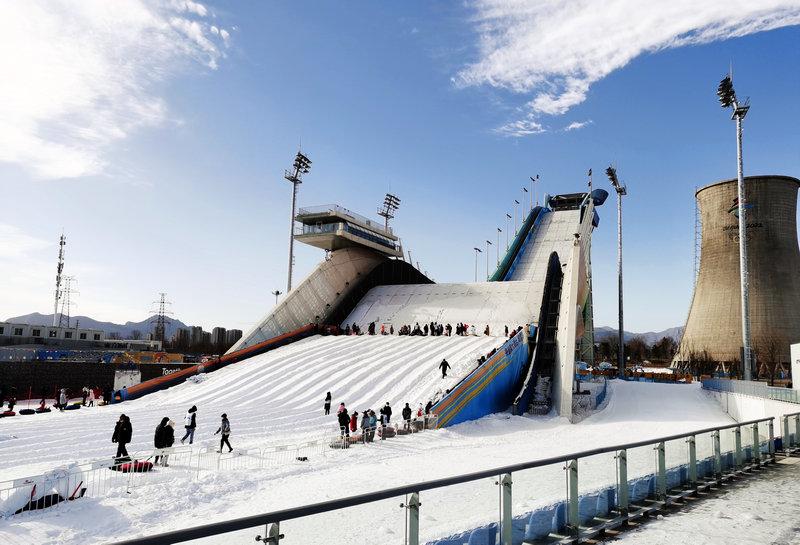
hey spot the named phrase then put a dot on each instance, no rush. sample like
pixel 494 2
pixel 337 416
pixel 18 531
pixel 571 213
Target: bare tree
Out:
pixel 768 352
pixel 136 334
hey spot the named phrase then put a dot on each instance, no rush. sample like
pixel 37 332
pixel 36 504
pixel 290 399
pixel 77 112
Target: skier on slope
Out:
pixel 190 424
pixel 225 429
pixel 444 366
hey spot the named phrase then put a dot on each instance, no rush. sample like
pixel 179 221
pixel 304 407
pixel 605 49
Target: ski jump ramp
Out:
pixel 541 288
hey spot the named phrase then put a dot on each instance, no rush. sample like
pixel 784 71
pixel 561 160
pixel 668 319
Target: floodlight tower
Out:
pixel 621 190
pixel 516 206
pixel 508 227
pixel 534 179
pixel 477 251
pixel 488 243
pixel 390 205
pixel 727 98
pixel 524 192
pixel 59 269
pixel 302 165
pixel 276 293
pixel 498 245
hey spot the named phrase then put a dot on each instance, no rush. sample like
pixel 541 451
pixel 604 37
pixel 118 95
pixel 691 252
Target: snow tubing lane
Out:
pixel 161 383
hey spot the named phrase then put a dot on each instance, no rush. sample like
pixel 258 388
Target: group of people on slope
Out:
pixel 349 423
pixel 164 436
pixel 433 329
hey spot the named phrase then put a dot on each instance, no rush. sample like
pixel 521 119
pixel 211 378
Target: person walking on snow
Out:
pixel 190 423
pixel 406 417
pixel 159 438
pixel 328 404
pixel 123 431
pixel 91 397
pixel 387 411
pixel 62 400
pixel 344 421
pixel 354 422
pixel 444 366
pixel 225 429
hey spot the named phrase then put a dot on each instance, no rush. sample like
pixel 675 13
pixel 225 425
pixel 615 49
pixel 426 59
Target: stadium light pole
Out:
pixel 727 98
pixel 524 192
pixel 621 190
pixel 508 227
pixel 477 251
pixel 302 165
pixel 276 293
pixel 488 243
pixel 498 245
pixel 516 206
pixel 533 189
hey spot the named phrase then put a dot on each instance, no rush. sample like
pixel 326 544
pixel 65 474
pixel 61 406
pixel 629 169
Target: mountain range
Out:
pixel 650 338
pixel 124 331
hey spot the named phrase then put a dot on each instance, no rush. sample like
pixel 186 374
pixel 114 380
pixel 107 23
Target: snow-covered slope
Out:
pixel 269 398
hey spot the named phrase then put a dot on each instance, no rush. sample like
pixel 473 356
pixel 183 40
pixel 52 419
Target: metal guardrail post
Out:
pixel 661 477
pixel 623 494
pixel 737 436
pixel 692 460
pixel 756 457
pixel 506 529
pixel 796 429
pixel 573 518
pixel 717 455
pixel 413 519
pixel 273 534
pixel 787 439
pixel 771 444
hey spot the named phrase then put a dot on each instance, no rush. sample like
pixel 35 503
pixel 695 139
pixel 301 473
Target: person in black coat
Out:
pixel 160 438
pixel 387 410
pixel 407 417
pixel 123 432
pixel 328 404
pixel 344 423
pixel 444 366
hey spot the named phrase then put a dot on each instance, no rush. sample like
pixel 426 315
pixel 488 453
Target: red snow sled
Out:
pixel 7 413
pixel 27 411
pixel 135 466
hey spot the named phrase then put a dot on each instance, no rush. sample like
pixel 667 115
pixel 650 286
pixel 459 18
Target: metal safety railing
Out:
pixel 629 500
pixel 752 388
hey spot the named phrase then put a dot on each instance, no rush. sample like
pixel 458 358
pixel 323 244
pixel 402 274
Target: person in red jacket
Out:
pixel 354 421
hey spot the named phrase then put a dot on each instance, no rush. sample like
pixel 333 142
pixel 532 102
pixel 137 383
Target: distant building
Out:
pixel 218 336
pixel 206 337
pixel 67 337
pixel 181 337
pixel 232 336
pixel 196 335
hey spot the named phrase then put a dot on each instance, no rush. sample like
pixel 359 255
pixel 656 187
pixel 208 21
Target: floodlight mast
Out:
pixel 488 243
pixel 727 98
pixel 302 165
pixel 477 251
pixel 621 190
pixel 390 205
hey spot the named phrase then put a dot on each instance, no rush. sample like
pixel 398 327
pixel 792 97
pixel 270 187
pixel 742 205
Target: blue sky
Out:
pixel 175 183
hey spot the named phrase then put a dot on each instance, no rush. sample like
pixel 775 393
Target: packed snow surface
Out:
pixel 286 398
pixel 269 399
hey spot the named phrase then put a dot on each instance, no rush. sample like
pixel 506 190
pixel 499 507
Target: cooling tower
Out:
pixel 715 317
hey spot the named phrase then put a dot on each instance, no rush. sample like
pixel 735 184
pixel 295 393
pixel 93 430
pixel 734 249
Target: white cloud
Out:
pixel 522 127
pixel 15 244
pixel 575 125
pixel 80 76
pixel 556 49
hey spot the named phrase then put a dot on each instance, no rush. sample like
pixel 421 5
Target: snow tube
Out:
pixel 27 411
pixel 133 467
pixel 387 432
pixel 7 413
pixel 40 411
pixel 72 407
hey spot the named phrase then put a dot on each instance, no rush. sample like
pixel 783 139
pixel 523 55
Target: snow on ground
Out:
pixel 273 398
pixel 634 411
pixel 762 508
